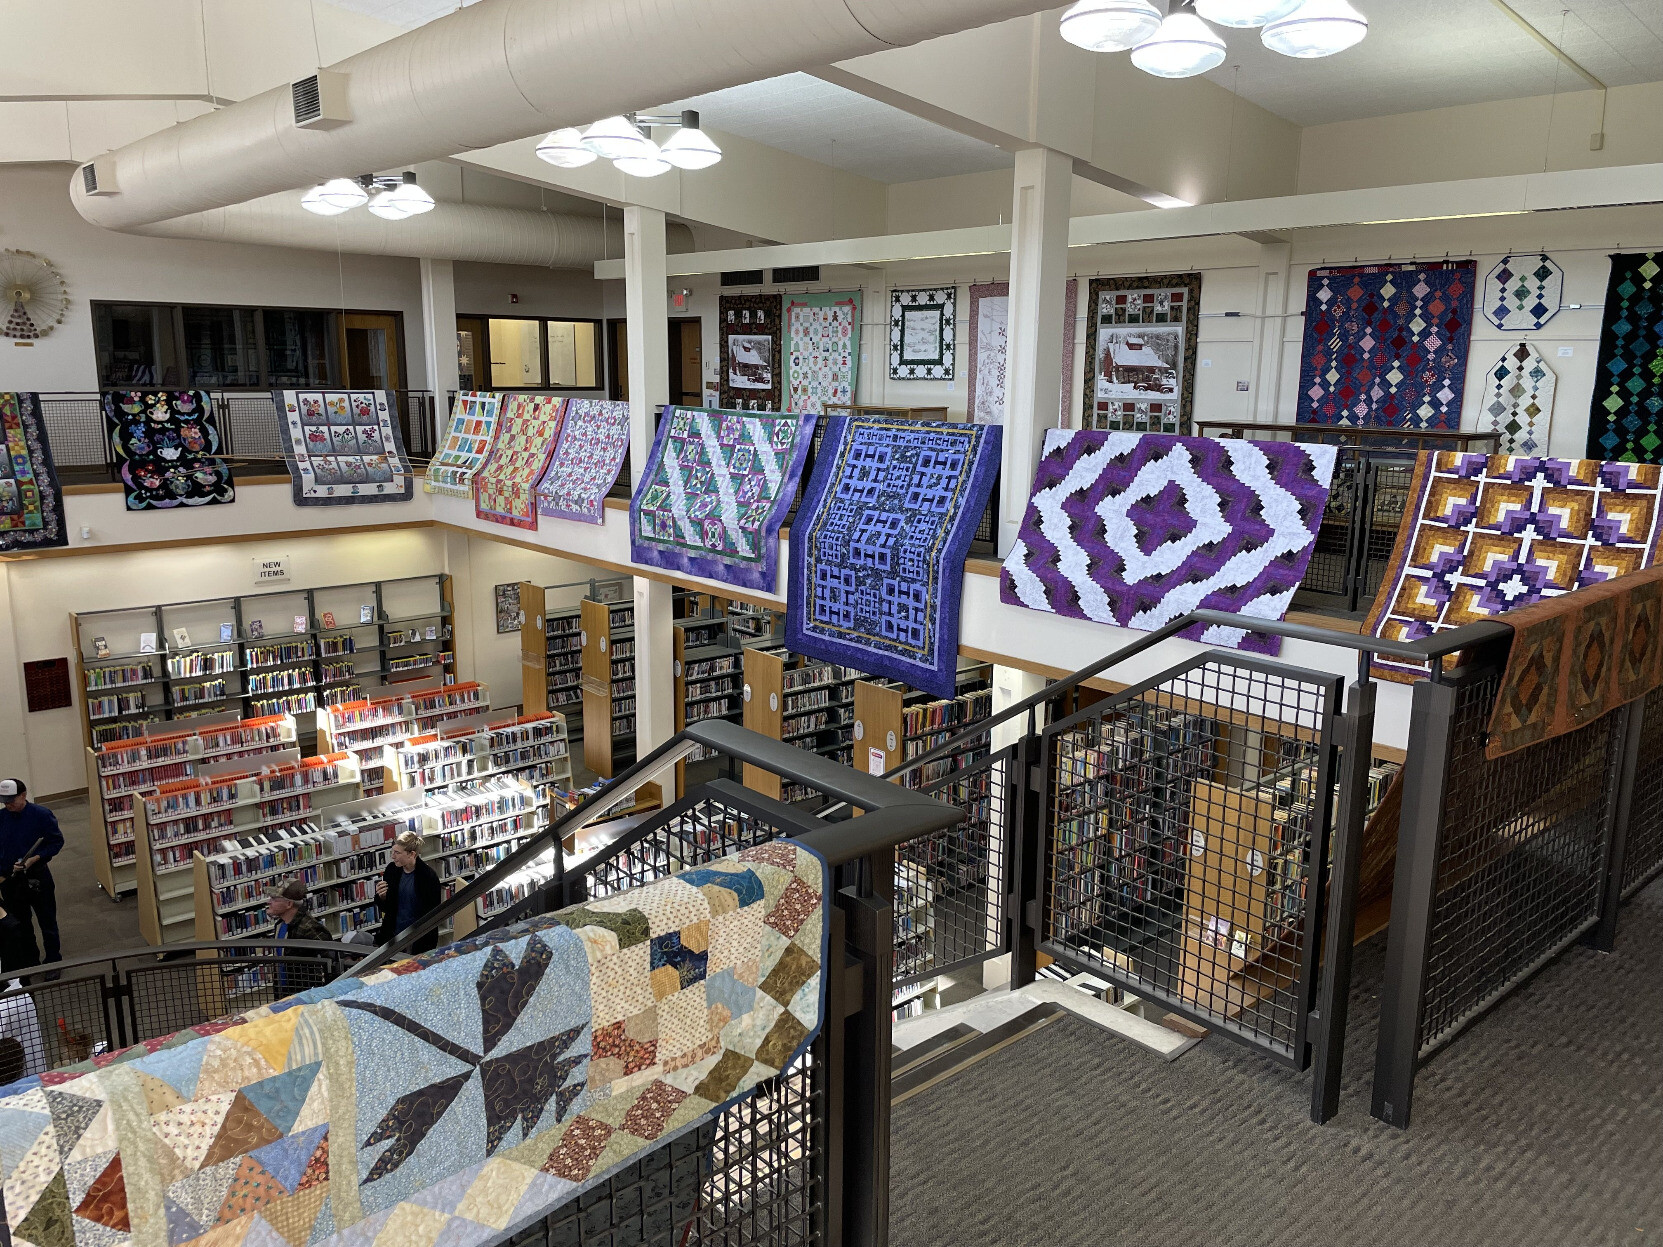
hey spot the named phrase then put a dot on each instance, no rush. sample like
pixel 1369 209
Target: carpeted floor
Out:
pixel 1543 1125
pixel 89 922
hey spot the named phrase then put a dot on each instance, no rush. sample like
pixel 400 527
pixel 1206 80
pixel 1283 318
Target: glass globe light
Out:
pixel 402 201
pixel 690 147
pixel 1183 47
pixel 1316 28
pixel 334 197
pixel 1110 25
pixel 616 138
pixel 564 149
pixel 1244 13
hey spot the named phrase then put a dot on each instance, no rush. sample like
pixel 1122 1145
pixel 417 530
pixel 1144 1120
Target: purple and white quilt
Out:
pixel 1137 529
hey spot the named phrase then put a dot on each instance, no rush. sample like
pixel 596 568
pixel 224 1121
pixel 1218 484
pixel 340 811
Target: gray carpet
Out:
pixel 1542 1125
pixel 89 922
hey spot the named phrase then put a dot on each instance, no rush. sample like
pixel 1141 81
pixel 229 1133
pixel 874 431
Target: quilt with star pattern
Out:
pixel 1483 534
pixel 446 1099
pixel 1137 529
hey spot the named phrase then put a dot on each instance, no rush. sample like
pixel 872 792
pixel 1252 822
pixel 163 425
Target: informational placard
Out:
pixel 273 570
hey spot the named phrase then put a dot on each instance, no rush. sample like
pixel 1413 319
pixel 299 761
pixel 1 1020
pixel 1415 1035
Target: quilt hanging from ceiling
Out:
pixel 347 447
pixel 1141 337
pixel 1138 529
pixel 1385 345
pixel 922 333
pixel 879 544
pixel 166 445
pixel 717 488
pixel 1626 419
pixel 505 487
pixel 1482 534
pixel 1523 291
pixel 990 347
pixel 822 350
pixel 1519 405
pixel 450 1099
pixel 473 427
pixel 31 502
pixel 593 445
pixel 749 344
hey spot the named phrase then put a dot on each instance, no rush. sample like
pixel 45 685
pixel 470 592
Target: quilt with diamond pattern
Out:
pixel 447 1099
pixel 1519 405
pixel 1386 345
pixel 1626 418
pixel 1136 529
pixel 505 486
pixel 1482 534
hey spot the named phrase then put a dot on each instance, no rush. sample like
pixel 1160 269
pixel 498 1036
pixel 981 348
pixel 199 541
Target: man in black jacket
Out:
pixel 29 839
pixel 407 892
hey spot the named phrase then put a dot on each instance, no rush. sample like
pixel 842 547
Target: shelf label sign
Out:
pixel 272 570
pixel 874 761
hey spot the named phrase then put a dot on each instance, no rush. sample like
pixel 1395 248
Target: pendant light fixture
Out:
pixel 1110 25
pixel 1183 47
pixel 1244 13
pixel 616 138
pixel 405 199
pixel 1316 28
pixel 334 197
pixel 644 166
pixel 690 147
pixel 564 149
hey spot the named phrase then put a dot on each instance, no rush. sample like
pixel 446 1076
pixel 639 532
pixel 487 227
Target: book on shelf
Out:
pixel 366 614
pixel 227 632
pixel 328 619
pixel 147 642
pixel 182 637
pixel 100 647
pixel 300 623
pixel 256 629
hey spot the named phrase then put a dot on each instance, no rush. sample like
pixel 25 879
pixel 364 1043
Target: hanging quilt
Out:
pixel 822 350
pixel 1386 345
pixel 1519 406
pixel 717 488
pixel 31 503
pixel 505 487
pixel 166 445
pixel 1138 529
pixel 586 463
pixel 922 333
pixel 347 447
pixel 1626 420
pixel 452 1098
pixel 748 331
pixel 1576 657
pixel 990 345
pixel 1523 291
pixel 879 544
pixel 473 427
pixel 1482 534
pixel 1141 336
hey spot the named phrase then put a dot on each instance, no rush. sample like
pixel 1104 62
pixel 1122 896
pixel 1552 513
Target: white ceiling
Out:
pixel 802 115
pixel 1423 54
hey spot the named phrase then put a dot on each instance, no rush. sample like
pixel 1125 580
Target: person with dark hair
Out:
pixel 29 839
pixel 407 892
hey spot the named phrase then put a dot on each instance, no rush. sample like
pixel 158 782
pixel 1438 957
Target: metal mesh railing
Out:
pixel 1186 850
pixel 951 888
pixel 1643 858
pixel 1520 858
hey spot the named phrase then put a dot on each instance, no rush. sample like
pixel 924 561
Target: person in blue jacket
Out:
pixel 29 839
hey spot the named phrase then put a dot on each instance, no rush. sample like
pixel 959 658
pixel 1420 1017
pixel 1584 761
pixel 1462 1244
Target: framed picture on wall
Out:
pixel 922 333
pixel 508 608
pixel 1140 353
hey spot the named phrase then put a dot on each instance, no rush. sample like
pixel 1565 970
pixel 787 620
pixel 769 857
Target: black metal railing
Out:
pixel 804 1159
pixel 1503 863
pixel 69 1011
pixel 255 441
pixel 1366 500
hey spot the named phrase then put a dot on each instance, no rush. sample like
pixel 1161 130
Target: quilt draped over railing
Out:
pixel 450 1098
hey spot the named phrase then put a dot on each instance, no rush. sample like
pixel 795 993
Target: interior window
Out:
pixel 516 355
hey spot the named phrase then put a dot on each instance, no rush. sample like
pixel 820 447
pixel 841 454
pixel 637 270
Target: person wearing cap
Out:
pixel 286 906
pixel 407 892
pixel 29 839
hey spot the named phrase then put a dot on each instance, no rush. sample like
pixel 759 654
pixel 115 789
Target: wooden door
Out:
pixel 686 362
pixel 617 361
pixel 369 351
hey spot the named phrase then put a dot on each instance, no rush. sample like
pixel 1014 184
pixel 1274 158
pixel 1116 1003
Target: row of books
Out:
pixel 114 677
pixel 278 655
pixel 281 681
pixel 201 662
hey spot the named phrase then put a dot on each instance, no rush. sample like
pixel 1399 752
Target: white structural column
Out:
pixel 1271 331
pixel 439 336
pixel 1034 384
pixel 646 309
